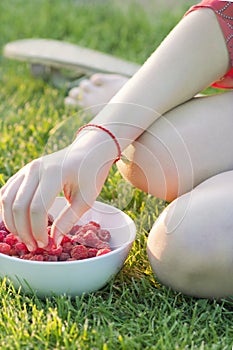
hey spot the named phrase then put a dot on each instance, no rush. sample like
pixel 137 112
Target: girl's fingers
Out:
pixel 7 199
pixel 10 181
pixel 68 217
pixel 21 207
pixel 49 187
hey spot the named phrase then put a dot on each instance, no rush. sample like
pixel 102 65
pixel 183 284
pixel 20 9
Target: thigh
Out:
pixel 190 247
pixel 184 147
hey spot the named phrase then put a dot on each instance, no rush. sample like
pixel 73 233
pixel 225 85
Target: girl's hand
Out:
pixel 79 170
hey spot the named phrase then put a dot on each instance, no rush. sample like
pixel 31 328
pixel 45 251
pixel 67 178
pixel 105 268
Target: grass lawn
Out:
pixel 133 311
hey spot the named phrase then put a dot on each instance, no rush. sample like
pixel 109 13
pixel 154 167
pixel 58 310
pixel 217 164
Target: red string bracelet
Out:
pixel 108 132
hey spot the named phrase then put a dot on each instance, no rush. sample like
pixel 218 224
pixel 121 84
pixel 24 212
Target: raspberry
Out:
pixel 90 226
pixel 92 252
pixel 74 229
pixel 93 223
pixel 88 238
pixel 38 251
pixel 27 256
pixel 50 219
pixel 64 256
pixel 103 251
pixel 55 251
pixel 50 257
pixel 2 235
pixel 81 242
pixel 10 239
pixel 5 248
pixel 3 227
pixel 13 252
pixel 103 245
pixel 79 252
pixel 21 248
pixel 66 247
pixel 38 257
pixel 104 235
pixel 65 239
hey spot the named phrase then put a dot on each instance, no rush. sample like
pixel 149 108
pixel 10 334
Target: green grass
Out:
pixel 133 311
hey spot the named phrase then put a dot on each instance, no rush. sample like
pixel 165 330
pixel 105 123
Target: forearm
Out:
pixel 175 72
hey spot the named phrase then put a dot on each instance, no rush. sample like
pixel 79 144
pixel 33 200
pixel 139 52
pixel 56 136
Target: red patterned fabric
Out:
pixel 224 13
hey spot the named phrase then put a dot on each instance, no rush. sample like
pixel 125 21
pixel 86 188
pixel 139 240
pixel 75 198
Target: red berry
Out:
pixel 50 257
pixel 50 219
pixel 103 245
pixel 13 252
pixel 65 239
pixel 21 248
pixel 5 248
pixel 67 246
pixel 27 256
pixel 79 252
pixel 38 257
pixel 10 239
pixel 95 224
pixel 64 256
pixel 55 251
pixel 103 251
pixel 74 229
pixel 88 238
pixel 104 235
pixel 38 251
pixel 82 242
pixel 92 252
pixel 3 227
pixel 2 235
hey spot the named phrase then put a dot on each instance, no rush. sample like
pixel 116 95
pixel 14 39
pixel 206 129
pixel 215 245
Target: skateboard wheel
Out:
pixel 40 71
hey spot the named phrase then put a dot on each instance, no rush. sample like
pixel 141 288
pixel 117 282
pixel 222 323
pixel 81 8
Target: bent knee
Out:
pixel 190 246
pixel 148 176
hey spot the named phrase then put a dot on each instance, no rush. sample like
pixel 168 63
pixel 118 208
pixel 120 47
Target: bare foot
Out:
pixel 95 92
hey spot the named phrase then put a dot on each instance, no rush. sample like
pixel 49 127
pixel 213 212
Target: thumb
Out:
pixel 68 217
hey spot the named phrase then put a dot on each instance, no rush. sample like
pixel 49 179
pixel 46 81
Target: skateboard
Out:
pixel 62 61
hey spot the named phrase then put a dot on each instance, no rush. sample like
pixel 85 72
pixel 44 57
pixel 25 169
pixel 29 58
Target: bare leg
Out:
pixel 190 246
pixel 183 148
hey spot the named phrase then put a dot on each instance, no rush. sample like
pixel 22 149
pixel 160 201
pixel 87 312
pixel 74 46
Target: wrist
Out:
pixel 109 136
pixel 96 143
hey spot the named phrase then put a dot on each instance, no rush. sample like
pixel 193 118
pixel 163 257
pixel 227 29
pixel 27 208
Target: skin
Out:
pixel 190 245
pixel 153 117
pixel 93 94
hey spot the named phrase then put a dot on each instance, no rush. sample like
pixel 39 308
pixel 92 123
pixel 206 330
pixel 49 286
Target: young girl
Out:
pixel 177 147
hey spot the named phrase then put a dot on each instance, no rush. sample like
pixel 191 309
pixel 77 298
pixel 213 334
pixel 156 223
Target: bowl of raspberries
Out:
pixel 89 256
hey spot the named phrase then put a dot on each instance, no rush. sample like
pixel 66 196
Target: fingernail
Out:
pixel 41 244
pixel 59 239
pixel 30 247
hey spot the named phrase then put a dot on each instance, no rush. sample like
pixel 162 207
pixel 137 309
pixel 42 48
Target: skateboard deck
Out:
pixel 48 54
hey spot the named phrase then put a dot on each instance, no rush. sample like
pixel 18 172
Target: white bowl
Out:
pixel 75 277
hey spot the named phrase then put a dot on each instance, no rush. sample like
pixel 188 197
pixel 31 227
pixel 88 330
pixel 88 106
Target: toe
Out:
pixel 69 101
pixel 74 93
pixel 86 85
pixel 99 78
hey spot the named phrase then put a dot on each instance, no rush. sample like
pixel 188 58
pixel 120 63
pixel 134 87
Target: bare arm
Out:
pixel 192 56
